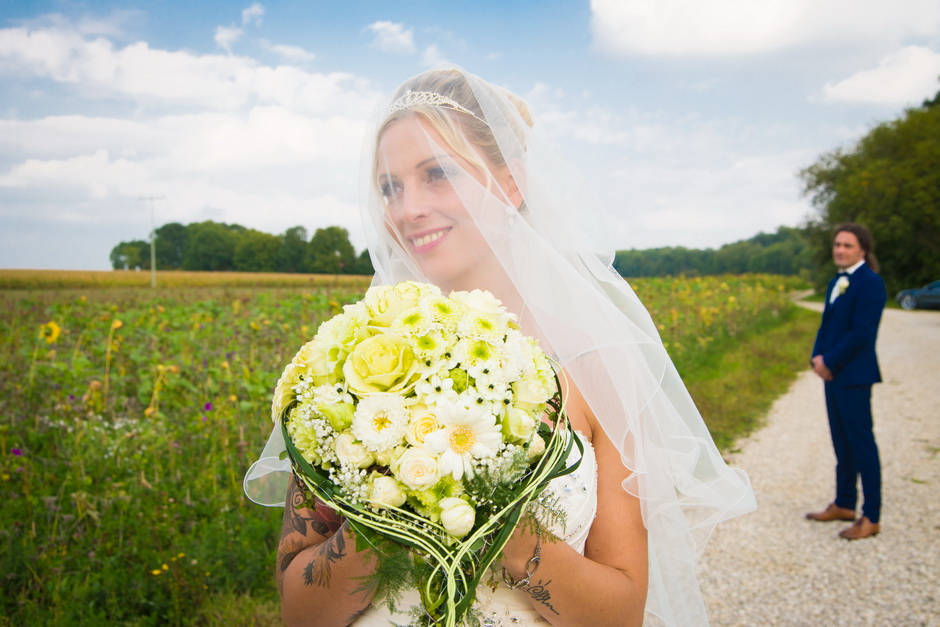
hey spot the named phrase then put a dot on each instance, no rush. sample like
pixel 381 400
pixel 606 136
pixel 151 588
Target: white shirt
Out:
pixel 835 288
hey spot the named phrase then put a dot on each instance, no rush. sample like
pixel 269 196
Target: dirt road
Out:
pixel 773 567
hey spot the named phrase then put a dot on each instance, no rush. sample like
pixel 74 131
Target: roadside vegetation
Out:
pixel 130 414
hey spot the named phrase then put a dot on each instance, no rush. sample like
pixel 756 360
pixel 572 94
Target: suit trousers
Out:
pixel 850 424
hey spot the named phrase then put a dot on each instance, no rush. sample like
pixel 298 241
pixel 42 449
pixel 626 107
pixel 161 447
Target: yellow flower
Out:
pixel 50 332
pixel 382 363
pixel 116 324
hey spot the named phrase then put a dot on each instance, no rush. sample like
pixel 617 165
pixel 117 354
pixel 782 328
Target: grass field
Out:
pixel 130 414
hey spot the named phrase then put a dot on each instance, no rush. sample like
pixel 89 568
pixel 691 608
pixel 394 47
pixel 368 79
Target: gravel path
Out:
pixel 774 567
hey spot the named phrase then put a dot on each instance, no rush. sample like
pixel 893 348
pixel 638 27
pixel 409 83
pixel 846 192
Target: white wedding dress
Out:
pixel 577 493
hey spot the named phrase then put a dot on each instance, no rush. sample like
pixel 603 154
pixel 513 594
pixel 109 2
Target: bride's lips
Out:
pixel 425 241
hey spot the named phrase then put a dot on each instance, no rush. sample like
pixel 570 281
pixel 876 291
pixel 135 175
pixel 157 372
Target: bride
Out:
pixel 461 189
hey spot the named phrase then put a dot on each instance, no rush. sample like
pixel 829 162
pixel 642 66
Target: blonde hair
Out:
pixel 468 135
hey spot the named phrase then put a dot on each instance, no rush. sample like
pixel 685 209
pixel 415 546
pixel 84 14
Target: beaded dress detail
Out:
pixel 502 607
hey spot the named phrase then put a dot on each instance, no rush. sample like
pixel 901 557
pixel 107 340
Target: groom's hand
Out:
pixel 820 368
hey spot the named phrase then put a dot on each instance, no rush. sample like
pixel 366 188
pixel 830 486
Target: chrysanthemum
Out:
pixel 468 433
pixel 483 326
pixel 380 421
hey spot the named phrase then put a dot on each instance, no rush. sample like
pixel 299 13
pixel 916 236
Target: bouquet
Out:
pixel 418 416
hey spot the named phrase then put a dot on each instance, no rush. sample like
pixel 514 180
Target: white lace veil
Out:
pixel 530 253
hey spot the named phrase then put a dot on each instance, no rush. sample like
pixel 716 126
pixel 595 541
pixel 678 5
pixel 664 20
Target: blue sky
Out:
pixel 687 119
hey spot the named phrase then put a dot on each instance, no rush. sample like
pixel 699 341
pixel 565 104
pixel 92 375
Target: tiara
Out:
pixel 413 99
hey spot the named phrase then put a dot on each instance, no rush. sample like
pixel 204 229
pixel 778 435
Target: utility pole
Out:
pixel 153 249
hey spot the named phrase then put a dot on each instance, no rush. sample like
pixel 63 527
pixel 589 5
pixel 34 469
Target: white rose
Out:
pixel 537 448
pixel 386 493
pixel 518 425
pixel 351 453
pixel 528 394
pixel 417 469
pixel 479 300
pixel 423 421
pixel 457 516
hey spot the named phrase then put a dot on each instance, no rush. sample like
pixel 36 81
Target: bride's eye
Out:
pixel 440 173
pixel 389 190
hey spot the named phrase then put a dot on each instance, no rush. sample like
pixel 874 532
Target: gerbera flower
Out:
pixel 468 433
pixel 380 421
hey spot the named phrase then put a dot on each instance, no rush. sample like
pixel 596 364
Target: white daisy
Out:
pixel 436 390
pixel 468 433
pixel 380 421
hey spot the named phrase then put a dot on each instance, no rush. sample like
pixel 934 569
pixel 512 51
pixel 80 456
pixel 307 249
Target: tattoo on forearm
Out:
pixel 298 516
pixel 539 592
pixel 318 571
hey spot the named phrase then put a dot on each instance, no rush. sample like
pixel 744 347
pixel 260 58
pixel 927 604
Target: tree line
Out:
pixel 217 246
pixel 785 252
pixel 889 181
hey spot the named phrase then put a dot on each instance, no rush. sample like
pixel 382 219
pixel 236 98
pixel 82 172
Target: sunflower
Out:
pixel 50 332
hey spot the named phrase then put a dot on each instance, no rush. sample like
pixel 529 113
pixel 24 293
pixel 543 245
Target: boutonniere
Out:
pixel 842 284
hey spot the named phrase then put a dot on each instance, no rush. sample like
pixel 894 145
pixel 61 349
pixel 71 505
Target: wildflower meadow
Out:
pixel 128 416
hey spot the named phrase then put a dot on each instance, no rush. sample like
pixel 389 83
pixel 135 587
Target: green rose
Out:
pixel 339 415
pixel 385 303
pixel 380 364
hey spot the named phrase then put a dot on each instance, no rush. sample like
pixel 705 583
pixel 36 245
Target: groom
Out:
pixel 844 357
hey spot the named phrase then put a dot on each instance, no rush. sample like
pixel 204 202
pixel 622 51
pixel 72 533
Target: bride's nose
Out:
pixel 415 203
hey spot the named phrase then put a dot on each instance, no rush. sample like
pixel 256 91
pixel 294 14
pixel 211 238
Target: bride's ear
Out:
pixel 510 184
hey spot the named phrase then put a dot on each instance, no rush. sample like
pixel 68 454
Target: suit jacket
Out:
pixel 846 336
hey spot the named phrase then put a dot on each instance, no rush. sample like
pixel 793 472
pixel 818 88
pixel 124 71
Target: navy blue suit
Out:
pixel 846 341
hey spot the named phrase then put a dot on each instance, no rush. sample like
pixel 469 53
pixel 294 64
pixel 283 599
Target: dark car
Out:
pixel 924 297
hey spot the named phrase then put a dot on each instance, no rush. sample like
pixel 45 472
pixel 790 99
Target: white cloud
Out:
pixel 291 54
pixel 253 14
pixel 143 74
pixel 905 77
pixel 392 37
pixel 432 56
pixel 721 27
pixel 226 36
pixel 263 146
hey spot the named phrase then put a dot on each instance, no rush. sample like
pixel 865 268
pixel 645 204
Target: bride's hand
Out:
pixel 523 546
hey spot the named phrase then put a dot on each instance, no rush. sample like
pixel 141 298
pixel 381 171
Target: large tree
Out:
pixel 211 246
pixel 292 254
pixel 890 182
pixel 170 246
pixel 256 252
pixel 330 252
pixel 133 255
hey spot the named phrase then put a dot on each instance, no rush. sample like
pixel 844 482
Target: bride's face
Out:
pixel 419 177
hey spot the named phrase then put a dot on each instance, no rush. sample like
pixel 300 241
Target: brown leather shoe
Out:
pixel 863 528
pixel 833 512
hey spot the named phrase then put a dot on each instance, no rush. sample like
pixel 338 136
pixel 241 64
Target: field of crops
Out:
pixel 129 416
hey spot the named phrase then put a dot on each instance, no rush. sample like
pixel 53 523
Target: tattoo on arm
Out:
pixel 298 518
pixel 539 592
pixel 318 570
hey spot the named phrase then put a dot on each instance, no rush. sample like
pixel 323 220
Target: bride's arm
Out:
pixel 607 585
pixel 318 567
